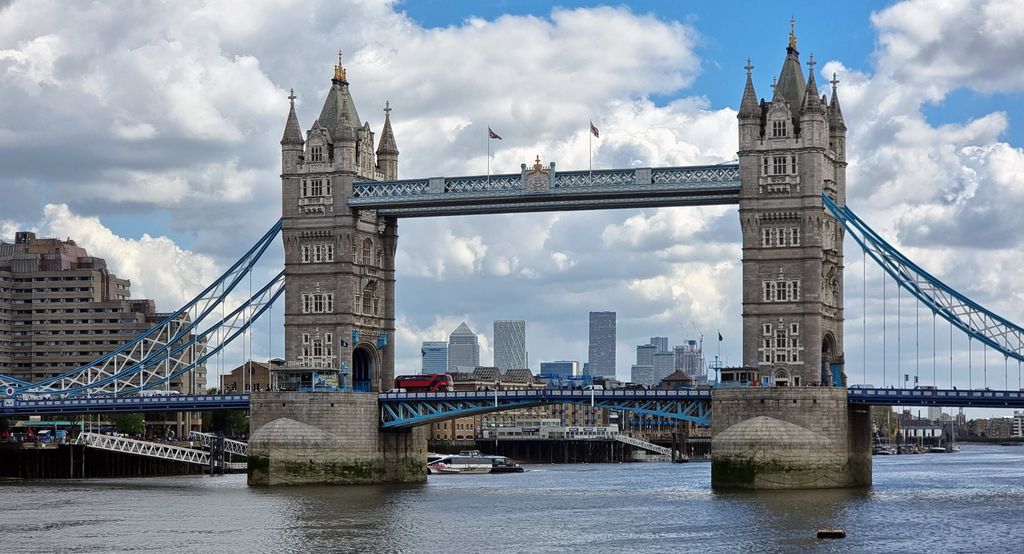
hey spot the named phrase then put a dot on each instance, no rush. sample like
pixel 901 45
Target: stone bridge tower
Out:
pixel 339 263
pixel 791 151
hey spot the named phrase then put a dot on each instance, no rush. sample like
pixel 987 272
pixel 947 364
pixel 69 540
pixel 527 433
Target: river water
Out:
pixel 967 502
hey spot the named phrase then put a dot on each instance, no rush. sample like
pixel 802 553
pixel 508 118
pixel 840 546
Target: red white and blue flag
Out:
pixel 492 134
pixel 594 131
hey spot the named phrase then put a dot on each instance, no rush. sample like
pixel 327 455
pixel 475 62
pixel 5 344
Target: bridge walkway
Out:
pixel 238 448
pixel 150 449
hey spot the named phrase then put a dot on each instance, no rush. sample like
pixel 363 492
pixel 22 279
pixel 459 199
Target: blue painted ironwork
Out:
pixel 963 313
pixel 400 410
pixel 569 190
pixel 949 398
pixel 113 404
pixel 142 362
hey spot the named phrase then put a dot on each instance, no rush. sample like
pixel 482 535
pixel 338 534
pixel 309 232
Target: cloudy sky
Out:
pixel 149 133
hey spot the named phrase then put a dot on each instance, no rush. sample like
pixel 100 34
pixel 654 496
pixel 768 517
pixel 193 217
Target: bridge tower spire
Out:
pixel 339 262
pixel 790 153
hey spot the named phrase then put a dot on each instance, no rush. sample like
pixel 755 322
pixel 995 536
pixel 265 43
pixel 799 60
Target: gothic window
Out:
pixel 305 254
pixel 317 303
pixel 764 165
pixel 792 163
pixel 780 290
pixel 778 129
pixel 357 303
pixel 772 237
pixel 317 154
pixel 779 165
pixel 304 189
pixel 317 253
pixel 380 257
pixel 766 237
pixel 367 252
pixel 780 345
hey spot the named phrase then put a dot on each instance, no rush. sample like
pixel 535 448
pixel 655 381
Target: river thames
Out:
pixel 970 501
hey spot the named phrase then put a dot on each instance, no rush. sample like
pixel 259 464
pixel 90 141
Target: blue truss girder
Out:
pixel 973 319
pixel 141 362
pixel 116 404
pixel 560 190
pixel 399 410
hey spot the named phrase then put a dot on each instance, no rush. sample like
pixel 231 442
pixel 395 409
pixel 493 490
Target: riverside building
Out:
pixel 61 308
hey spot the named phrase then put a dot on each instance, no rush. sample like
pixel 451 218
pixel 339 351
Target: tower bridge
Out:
pixel 341 202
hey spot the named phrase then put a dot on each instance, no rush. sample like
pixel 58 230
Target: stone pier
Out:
pixel 789 438
pixel 329 438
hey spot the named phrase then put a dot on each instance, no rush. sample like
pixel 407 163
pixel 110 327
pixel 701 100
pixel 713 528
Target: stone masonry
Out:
pixel 789 437
pixel 329 438
pixel 791 151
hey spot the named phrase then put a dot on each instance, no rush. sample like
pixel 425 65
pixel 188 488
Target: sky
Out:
pixel 149 132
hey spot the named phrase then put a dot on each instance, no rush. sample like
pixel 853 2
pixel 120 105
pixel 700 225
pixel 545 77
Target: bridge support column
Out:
pixel 329 438
pixel 789 438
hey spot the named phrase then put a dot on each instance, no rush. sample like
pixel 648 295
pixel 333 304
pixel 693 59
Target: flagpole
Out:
pixel 590 157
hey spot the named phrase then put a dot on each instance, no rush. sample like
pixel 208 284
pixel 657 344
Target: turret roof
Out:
pixel 292 132
pixel 749 106
pixel 387 136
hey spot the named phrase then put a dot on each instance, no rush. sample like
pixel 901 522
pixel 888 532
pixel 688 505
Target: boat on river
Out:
pixel 471 462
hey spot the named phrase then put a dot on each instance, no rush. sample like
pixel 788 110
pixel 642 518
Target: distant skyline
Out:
pixel 151 138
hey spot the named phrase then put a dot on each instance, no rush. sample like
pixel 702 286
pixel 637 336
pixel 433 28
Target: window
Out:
pixel 778 129
pixel 315 187
pixel 317 253
pixel 317 154
pixel 367 252
pixel 780 290
pixel 778 165
pixel 317 303
pixel 792 164
pixel 764 165
pixel 774 237
pixel 780 345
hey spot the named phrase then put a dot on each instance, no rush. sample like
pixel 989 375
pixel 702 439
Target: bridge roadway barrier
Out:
pixel 123 403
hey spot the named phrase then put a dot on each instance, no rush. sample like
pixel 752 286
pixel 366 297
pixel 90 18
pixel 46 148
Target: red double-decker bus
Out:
pixel 431 382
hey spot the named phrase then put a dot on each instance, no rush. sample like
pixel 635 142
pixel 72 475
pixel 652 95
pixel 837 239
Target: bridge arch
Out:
pixel 366 363
pixel 829 356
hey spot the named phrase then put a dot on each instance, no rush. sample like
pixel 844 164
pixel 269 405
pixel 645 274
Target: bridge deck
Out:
pixel 103 404
pixel 555 190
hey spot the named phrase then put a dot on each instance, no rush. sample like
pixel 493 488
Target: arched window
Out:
pixel 367 252
pixel 369 294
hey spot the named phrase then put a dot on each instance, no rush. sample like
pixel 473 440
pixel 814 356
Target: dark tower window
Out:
pixel 317 154
pixel 778 129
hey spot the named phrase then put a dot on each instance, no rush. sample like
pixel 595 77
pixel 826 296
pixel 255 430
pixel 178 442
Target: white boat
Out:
pixel 460 464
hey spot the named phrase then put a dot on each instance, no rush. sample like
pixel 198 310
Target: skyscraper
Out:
pixel 463 348
pixel 434 356
pixel 645 354
pixel 664 363
pixel 602 344
pixel 510 344
pixel 661 343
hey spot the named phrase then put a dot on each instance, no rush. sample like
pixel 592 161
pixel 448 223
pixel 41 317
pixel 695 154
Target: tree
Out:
pixel 129 424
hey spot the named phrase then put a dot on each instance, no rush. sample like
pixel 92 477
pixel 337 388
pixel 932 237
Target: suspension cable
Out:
pixel 884 333
pixel 984 362
pixel 917 342
pixel 864 313
pixel 951 354
pixel 935 354
pixel 899 334
pixel 970 364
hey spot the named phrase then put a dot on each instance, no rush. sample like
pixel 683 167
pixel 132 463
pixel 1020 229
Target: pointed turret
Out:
pixel 835 113
pixel 387 150
pixel 790 85
pixel 291 140
pixel 748 106
pixel 387 143
pixel 292 132
pixel 811 103
pixel 340 118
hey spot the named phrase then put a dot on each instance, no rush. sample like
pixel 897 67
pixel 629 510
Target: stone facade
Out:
pixel 789 438
pixel 339 263
pixel 792 150
pixel 330 438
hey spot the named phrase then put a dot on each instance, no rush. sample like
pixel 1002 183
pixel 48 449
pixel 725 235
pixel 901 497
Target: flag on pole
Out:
pixel 594 131
pixel 492 134
pixel 720 339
